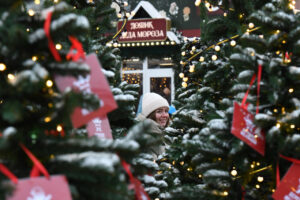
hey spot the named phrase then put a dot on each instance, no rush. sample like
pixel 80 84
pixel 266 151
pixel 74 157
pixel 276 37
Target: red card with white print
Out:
pixel 99 127
pixel 289 186
pixel 42 188
pixel 244 129
pixel 95 83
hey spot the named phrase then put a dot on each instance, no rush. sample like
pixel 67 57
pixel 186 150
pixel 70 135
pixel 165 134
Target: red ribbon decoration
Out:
pixel 243 104
pixel 139 191
pixel 36 162
pixel 76 45
pixel 243 193
pixel 50 41
pixel 258 87
pixel 277 175
pixel 290 159
pixel 35 172
pixel 8 173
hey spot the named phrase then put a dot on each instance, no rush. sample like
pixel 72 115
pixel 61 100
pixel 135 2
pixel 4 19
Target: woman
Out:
pixel 154 109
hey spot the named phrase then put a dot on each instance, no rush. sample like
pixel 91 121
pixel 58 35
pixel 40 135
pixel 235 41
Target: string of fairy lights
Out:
pixel 34 10
pixel 194 53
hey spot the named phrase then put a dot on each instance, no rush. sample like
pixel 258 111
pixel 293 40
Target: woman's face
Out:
pixel 162 116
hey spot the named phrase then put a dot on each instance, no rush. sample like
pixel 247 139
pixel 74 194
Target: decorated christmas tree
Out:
pixel 225 142
pixel 54 100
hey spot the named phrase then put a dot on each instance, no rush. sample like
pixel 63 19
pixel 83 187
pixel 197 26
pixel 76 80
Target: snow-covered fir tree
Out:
pixel 32 106
pixel 204 160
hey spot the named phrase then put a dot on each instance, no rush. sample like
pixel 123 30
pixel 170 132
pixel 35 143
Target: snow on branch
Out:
pixel 99 160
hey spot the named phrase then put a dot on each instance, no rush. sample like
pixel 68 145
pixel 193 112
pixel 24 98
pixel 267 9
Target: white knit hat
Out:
pixel 152 101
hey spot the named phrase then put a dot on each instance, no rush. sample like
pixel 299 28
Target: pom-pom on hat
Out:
pixel 152 101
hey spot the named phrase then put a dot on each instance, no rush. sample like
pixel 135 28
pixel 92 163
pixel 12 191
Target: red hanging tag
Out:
pixel 289 187
pixel 138 187
pixel 242 122
pixel 94 83
pixel 76 46
pixel 42 188
pixel 50 41
pixel 8 173
pixel 36 162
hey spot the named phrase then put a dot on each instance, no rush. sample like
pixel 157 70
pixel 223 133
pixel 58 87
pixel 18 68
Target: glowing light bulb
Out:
pixel 233 172
pixel 185 79
pixel 193 48
pixel 31 12
pixel 125 3
pixel 2 67
pixel 214 57
pixel 58 46
pixel 47 119
pixel 37 2
pixel 59 128
pixel 184 84
pixel 251 25
pixel 233 43
pixel 183 53
pixel 34 58
pixel 291 90
pixel 217 48
pixel 11 77
pixel 49 83
pixel 225 14
pixel 260 179
pixel 201 59
pixel 181 75
pixel 257 186
pixel 182 163
pixel 292 126
pixel 278 125
pixel 197 2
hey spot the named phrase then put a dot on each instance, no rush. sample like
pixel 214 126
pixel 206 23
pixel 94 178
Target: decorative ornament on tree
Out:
pixel 242 123
pixel 95 83
pixel 38 188
pixel 289 186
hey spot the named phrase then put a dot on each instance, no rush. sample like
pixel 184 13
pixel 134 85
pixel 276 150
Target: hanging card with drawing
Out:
pixel 94 83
